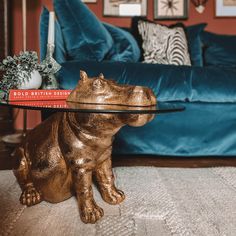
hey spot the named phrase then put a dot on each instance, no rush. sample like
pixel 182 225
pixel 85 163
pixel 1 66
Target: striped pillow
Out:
pixel 164 45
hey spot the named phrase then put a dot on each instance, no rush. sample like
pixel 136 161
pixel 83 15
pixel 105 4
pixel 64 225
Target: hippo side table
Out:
pixel 57 159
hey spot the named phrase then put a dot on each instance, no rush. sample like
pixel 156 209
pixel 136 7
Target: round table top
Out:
pixel 64 106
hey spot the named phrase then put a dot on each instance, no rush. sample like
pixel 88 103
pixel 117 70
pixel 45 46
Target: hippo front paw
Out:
pixel 30 196
pixel 112 195
pixel 91 213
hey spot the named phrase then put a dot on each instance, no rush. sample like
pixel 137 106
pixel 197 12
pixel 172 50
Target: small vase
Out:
pixel 33 83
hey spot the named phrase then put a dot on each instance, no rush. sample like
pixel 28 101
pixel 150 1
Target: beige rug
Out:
pixel 159 202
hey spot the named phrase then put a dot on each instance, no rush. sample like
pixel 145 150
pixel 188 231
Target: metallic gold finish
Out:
pixel 58 158
pixel 98 90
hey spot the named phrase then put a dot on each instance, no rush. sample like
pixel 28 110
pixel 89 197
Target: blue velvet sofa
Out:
pixel 208 90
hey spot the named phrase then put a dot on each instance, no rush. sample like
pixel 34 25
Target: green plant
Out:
pixel 18 69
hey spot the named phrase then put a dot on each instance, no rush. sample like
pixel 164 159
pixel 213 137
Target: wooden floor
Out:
pixel 7 162
pixel 180 162
pixel 6 127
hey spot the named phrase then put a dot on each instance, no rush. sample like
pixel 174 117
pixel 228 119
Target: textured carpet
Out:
pixel 159 202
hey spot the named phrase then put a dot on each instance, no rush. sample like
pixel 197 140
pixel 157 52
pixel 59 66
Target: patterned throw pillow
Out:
pixel 164 45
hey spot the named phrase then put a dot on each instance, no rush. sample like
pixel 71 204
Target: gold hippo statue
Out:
pixel 58 158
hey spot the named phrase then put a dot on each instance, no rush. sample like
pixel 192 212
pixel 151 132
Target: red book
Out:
pixel 44 104
pixel 37 94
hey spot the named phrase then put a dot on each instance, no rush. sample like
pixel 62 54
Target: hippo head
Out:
pixel 98 90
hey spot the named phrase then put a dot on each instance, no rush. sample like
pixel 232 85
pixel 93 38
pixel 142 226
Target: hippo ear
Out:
pixel 83 76
pixel 101 76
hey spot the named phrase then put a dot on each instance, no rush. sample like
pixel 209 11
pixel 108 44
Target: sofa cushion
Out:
pixel 85 36
pixel 213 84
pixel 219 49
pixel 60 53
pixel 125 47
pixel 164 45
pixel 169 82
pixel 193 33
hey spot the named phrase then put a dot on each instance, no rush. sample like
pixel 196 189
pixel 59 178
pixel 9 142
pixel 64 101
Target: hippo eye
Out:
pixel 112 81
pixel 101 76
pixel 98 84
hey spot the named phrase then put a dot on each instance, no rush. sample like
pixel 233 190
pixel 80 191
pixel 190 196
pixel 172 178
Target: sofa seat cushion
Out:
pixel 85 36
pixel 202 129
pixel 213 84
pixel 169 82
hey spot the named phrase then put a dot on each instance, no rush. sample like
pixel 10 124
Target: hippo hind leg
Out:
pixel 30 196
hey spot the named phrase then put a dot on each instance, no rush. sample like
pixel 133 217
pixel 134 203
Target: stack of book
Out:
pixel 52 98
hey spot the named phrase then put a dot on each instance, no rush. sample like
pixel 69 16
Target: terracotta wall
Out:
pixel 218 25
